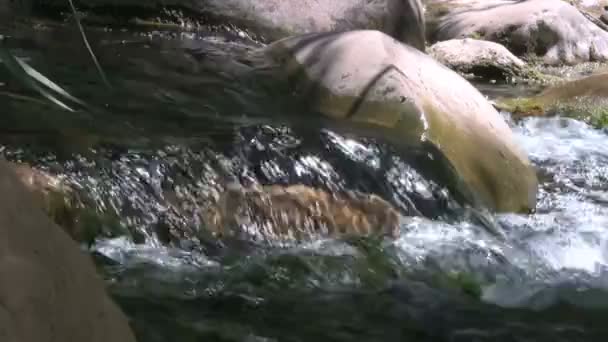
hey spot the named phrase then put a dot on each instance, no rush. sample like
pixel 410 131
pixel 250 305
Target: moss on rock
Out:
pixel 521 106
pixel 584 99
pixel 462 282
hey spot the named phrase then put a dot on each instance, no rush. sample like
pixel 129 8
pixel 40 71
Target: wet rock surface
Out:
pixel 300 213
pixel 276 212
pixel 65 206
pixel 393 97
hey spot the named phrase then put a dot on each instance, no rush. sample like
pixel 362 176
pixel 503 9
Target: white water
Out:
pixel 565 241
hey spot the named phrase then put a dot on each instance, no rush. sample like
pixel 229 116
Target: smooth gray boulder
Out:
pixel 369 79
pixel 551 29
pixel 49 289
pixel 488 60
pixel 275 19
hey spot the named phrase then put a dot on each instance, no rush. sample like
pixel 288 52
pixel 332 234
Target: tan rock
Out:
pixel 481 58
pixel 408 98
pixel 49 289
pixel 300 213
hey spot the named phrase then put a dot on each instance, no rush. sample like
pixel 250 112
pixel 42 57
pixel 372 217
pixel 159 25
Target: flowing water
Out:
pixel 181 123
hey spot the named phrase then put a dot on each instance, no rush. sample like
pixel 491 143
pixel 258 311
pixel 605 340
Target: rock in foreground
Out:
pixel 409 99
pixel 551 29
pixel 49 289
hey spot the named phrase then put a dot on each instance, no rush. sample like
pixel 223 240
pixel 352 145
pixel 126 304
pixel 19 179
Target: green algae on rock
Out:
pixel 412 100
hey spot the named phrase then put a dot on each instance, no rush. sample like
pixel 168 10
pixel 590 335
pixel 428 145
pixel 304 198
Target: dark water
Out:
pixel 182 121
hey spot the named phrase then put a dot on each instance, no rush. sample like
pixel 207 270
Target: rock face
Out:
pixel 552 29
pixel 408 98
pixel 275 19
pixel 49 289
pixel 300 213
pixel 481 58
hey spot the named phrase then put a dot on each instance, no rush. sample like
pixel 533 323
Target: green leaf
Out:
pixel 33 80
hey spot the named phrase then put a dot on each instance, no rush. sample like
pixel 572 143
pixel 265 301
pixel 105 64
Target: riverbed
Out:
pixel 181 120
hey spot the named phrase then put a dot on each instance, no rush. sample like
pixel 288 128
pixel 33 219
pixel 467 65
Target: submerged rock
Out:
pixel 49 289
pixel 299 213
pixel 585 99
pixel 552 29
pixel 275 19
pixel 61 203
pixel 484 59
pixel 399 94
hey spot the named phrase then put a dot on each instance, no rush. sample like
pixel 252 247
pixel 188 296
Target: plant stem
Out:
pixel 88 46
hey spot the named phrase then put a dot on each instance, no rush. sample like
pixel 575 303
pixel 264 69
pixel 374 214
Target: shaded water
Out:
pixel 178 127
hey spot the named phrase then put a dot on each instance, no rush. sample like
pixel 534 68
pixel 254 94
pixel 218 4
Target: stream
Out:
pixel 181 122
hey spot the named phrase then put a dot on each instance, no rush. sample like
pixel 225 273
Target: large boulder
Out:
pixel 405 96
pixel 275 19
pixel 49 289
pixel 551 29
pixel 481 58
